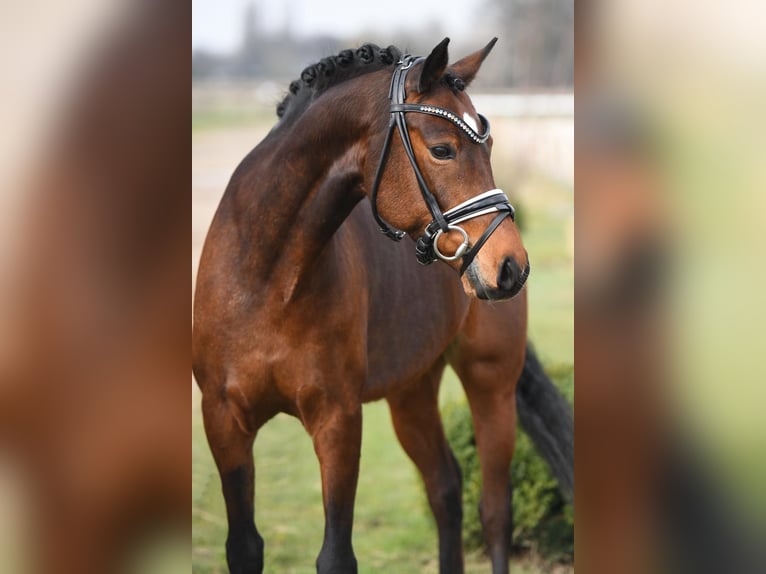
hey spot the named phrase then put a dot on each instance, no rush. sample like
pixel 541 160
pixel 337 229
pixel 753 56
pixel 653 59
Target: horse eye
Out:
pixel 442 152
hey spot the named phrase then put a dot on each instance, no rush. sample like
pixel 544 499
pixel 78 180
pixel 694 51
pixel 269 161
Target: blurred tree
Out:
pixel 250 57
pixel 538 48
pixel 535 49
pixel 206 64
pixel 275 54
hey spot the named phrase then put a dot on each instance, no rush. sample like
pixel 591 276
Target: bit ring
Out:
pixel 459 252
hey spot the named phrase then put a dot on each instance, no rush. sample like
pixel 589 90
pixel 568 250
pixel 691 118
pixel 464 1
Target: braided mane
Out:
pixel 331 71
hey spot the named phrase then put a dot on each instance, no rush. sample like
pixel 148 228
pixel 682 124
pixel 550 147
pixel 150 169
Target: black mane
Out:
pixel 331 71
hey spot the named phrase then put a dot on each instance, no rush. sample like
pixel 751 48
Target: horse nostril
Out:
pixel 508 274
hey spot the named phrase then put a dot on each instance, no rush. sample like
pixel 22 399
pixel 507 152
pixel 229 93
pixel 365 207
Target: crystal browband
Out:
pixel 447 115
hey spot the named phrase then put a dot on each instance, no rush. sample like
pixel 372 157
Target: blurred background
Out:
pixel 669 286
pixel 244 55
pixel 94 295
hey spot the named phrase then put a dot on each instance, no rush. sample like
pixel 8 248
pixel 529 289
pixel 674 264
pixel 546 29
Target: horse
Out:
pixel 303 307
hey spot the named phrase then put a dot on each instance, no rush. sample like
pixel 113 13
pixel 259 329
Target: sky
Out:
pixel 217 24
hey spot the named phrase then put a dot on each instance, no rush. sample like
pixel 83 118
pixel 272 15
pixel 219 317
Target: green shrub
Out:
pixel 521 213
pixel 543 522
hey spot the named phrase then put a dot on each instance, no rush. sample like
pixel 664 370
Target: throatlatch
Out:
pixel 491 201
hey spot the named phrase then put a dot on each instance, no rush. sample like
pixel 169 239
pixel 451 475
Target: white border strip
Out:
pixel 491 192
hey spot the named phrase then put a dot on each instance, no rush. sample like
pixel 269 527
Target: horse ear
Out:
pixel 434 66
pixel 467 68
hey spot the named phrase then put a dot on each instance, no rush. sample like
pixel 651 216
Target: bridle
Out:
pixel 494 200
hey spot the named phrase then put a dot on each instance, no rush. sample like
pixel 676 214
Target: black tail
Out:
pixel 546 416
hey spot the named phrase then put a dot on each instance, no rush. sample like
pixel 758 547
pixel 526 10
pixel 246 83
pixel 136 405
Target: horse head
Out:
pixel 435 181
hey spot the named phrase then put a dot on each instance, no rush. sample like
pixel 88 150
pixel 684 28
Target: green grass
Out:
pixel 392 531
pixel 221 119
pixel 547 210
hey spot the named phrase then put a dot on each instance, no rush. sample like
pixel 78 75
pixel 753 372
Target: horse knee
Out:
pixel 447 498
pixel 453 495
pixel 496 518
pixel 244 552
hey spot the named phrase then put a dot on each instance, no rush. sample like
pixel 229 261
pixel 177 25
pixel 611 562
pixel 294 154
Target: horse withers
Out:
pixel 303 307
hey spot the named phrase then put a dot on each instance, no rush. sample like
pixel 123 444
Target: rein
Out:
pixel 494 200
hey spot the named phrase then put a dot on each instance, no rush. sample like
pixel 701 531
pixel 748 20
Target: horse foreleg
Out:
pixel 415 414
pixel 232 448
pixel 494 416
pixel 336 430
pixel 489 357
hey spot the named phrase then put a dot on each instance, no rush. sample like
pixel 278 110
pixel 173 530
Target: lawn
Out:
pixel 393 533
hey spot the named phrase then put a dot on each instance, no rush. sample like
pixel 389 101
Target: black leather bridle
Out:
pixel 491 201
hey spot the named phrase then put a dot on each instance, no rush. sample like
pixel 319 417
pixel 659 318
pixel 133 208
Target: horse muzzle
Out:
pixel 510 280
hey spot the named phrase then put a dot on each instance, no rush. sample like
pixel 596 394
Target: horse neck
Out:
pixel 303 181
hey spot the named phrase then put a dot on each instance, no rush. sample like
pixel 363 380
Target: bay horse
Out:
pixel 303 307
